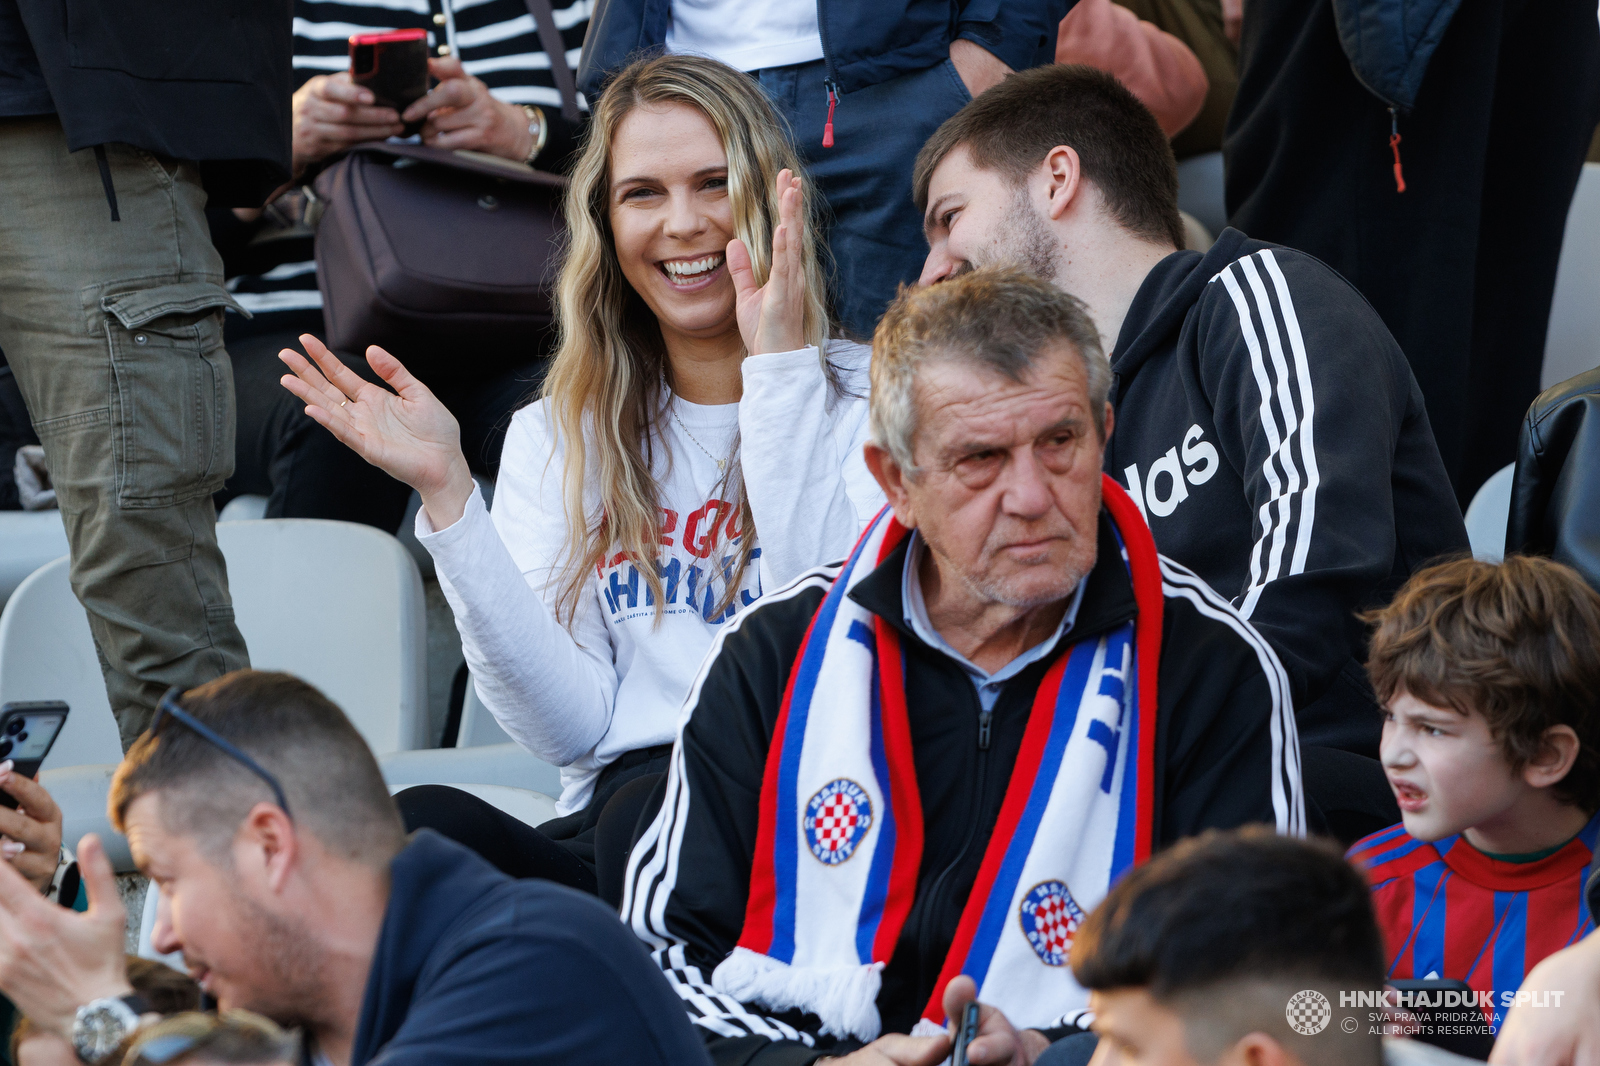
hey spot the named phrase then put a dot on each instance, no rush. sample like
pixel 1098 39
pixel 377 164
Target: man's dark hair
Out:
pixel 1514 641
pixel 1121 149
pixel 1224 928
pixel 328 774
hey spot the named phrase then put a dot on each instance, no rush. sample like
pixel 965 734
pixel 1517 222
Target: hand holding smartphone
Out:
pixel 27 732
pixel 966 1033
pixel 394 66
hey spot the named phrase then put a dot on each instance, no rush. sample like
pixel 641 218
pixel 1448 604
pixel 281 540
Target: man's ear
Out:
pixel 1558 750
pixel 891 478
pixel 267 844
pixel 1063 178
pixel 1257 1049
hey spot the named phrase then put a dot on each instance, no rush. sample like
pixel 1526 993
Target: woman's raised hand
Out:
pixel 772 316
pixel 408 433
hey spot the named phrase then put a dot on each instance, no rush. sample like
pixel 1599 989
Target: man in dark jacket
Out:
pixel 928 762
pixel 287 882
pixel 118 120
pixel 862 85
pixel 1267 422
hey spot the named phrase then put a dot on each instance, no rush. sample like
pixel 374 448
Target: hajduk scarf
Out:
pixel 840 835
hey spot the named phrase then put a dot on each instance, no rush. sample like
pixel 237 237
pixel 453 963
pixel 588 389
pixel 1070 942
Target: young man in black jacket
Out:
pixel 927 763
pixel 1268 424
pixel 289 885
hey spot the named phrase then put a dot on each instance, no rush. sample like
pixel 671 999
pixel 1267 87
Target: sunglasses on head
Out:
pixel 168 708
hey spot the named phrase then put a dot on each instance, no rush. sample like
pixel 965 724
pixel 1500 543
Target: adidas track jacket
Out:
pixel 1270 429
pixel 1227 755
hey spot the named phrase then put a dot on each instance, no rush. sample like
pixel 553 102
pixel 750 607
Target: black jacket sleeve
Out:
pixel 1310 395
pixel 1232 755
pixel 707 825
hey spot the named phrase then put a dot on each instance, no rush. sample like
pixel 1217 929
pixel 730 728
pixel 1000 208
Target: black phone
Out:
pixel 1461 1030
pixel 27 730
pixel 393 65
pixel 966 1033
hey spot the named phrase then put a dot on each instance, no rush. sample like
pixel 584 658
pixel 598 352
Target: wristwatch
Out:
pixel 538 129
pixel 100 1025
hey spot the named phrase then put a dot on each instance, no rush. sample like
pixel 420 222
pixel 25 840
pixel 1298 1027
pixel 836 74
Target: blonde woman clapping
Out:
pixel 698 441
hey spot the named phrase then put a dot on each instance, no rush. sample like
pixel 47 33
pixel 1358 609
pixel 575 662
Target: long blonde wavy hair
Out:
pixel 610 370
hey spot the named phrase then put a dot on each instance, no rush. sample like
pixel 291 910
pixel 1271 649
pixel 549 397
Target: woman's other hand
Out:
pixel 772 316
pixel 408 433
pixel 331 113
pixel 460 113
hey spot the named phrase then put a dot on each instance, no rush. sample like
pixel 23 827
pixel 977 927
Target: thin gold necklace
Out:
pixel 722 464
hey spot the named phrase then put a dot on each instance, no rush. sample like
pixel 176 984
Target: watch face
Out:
pixel 100 1027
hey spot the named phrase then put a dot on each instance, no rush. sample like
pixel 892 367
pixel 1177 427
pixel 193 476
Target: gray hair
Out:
pixel 1000 318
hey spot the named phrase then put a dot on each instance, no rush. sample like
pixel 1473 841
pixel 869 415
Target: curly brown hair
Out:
pixel 1518 642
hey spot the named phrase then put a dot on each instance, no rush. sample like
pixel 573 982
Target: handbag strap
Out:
pixel 544 20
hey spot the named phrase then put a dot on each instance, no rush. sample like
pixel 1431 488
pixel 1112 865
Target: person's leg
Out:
pixel 1548 53
pixel 114 332
pixel 876 232
pixel 302 469
pixel 626 815
pixel 514 847
pixel 484 409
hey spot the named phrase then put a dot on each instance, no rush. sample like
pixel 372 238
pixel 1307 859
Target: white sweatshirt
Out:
pixel 616 681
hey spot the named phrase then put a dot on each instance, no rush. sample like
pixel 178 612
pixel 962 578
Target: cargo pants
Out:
pixel 114 332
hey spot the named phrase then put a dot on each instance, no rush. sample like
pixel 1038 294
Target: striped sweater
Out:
pixel 496 41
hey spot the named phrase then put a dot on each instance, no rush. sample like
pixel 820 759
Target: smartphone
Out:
pixel 27 730
pixel 393 65
pixel 1462 1030
pixel 966 1033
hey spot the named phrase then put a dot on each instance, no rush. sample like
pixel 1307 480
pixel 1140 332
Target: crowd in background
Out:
pixel 950 578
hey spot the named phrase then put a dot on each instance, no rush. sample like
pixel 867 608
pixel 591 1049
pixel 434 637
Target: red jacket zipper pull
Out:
pixel 1394 143
pixel 827 130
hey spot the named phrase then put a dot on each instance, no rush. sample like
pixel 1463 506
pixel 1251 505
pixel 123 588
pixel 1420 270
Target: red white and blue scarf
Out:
pixel 840 836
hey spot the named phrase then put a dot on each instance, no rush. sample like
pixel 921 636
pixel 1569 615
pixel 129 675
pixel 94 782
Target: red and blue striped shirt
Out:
pixel 1449 911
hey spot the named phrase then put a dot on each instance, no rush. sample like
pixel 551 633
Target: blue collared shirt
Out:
pixel 988 685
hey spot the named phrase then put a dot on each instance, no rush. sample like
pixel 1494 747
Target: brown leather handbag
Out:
pixel 447 259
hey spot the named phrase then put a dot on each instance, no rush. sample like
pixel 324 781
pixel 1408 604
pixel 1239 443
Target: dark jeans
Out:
pixel 1462 265
pixel 587 850
pixel 303 470
pixel 876 232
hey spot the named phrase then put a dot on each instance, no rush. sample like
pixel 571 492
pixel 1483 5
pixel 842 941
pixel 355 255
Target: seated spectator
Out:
pixel 161 991
pixel 999 703
pixel 1492 745
pixel 1201 955
pixel 698 440
pixel 1268 426
pixel 233 1038
pixel 289 884
pixel 496 94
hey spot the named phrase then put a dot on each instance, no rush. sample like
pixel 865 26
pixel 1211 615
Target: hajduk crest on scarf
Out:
pixel 840 835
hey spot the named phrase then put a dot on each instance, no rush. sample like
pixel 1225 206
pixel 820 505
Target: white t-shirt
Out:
pixel 747 34
pixel 616 681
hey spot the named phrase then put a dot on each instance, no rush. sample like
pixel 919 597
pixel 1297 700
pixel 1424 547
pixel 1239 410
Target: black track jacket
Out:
pixel 1226 747
pixel 1270 429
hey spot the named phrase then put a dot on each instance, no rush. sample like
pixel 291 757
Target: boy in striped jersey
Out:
pixel 1491 742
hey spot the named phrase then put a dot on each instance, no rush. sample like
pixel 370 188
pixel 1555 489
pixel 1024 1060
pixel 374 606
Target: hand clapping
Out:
pixel 408 433
pixel 772 316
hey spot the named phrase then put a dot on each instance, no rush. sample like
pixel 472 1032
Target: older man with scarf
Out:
pixel 903 780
